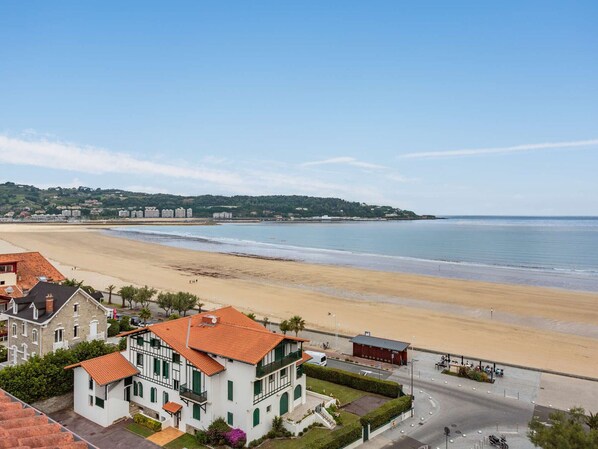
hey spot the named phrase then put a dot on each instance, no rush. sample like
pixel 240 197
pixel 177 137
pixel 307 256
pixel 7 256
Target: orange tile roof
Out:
pixel 24 427
pixel 30 267
pixel 172 407
pixel 107 368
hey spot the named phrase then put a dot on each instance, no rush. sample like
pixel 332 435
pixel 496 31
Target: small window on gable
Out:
pixel 139 340
pixel 176 358
pixel 35 313
pixel 76 309
pixel 155 343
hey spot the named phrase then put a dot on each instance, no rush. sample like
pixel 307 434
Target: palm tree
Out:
pixel 72 283
pixel 145 315
pixel 297 324
pixel 266 322
pixel 592 421
pixel 110 289
pixel 251 316
pixel 285 326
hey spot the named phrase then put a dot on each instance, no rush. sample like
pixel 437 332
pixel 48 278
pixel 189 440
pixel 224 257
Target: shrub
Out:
pixel 386 412
pixel 3 354
pixel 113 328
pixel 216 433
pixel 125 324
pixel 122 344
pixel 148 422
pixel 236 438
pixel 201 437
pixel 383 387
pixel 338 438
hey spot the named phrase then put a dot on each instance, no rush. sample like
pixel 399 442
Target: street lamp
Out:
pixel 335 329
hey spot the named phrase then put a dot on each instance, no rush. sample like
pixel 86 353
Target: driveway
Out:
pixel 113 437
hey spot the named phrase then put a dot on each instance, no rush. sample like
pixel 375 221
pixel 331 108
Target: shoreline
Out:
pixel 548 329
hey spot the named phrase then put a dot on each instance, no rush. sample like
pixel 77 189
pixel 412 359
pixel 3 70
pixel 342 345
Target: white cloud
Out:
pixel 345 160
pixel 500 150
pixel 84 159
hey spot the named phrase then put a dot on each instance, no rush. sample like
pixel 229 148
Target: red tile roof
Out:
pixel 30 267
pixel 234 336
pixel 24 427
pixel 172 407
pixel 107 368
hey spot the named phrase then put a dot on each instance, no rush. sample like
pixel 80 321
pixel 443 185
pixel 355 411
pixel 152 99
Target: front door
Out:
pixel 284 404
pixel 128 394
pixel 196 382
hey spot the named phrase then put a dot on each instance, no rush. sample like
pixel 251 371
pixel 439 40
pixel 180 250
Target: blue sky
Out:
pixel 439 107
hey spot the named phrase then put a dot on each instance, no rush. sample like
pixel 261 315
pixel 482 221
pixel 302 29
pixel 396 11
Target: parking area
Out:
pixel 365 404
pixel 113 437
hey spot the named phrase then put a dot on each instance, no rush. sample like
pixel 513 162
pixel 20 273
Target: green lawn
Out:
pixel 185 441
pixel 311 435
pixel 140 430
pixel 344 394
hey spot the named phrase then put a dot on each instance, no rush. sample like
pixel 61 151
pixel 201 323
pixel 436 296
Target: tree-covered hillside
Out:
pixel 105 203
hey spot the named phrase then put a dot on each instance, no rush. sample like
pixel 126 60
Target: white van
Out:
pixel 317 358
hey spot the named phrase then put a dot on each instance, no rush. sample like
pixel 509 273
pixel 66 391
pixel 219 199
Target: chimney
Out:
pixel 49 303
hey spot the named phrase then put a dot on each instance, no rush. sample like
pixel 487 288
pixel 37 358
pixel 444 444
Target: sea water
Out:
pixel 548 251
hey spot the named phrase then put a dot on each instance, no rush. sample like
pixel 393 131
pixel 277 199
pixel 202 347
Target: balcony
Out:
pixel 60 345
pixel 264 370
pixel 98 336
pixel 187 393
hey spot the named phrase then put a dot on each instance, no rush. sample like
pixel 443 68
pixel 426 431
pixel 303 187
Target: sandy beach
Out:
pixel 532 326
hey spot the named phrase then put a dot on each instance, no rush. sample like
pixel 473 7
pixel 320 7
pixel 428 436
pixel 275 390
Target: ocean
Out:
pixel 557 252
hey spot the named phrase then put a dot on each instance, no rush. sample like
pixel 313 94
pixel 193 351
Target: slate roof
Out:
pixel 37 295
pixel 31 268
pixel 107 368
pixel 22 426
pixel 383 343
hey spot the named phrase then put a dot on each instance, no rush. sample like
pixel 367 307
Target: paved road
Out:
pixel 358 369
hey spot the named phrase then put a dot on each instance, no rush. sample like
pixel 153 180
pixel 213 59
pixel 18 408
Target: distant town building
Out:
pixel 151 212
pixel 124 213
pixel 179 212
pixel 189 213
pixel 66 213
pixel 222 215
pixel 76 213
pixel 137 214
pixel 167 213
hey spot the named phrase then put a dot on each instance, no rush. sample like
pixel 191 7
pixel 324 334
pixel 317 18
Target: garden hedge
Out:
pixel 148 422
pixel 382 387
pixel 338 439
pixel 386 412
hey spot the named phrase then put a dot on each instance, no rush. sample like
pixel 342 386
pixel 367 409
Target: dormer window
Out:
pixel 15 308
pixel 35 313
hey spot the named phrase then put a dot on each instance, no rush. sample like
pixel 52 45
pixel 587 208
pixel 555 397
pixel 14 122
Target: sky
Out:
pixel 461 107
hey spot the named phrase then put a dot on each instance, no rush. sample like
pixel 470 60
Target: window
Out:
pixel 75 309
pixel 165 369
pixel 34 336
pixel 297 394
pixel 230 390
pixel 164 398
pixel 175 384
pixel 140 389
pixel 229 418
pixel 76 331
pixel 99 402
pixel 14 329
pixel 155 343
pixel 139 340
pixel 269 408
pixel 135 390
pixel 153 394
pixel 139 359
pixel 176 358
pixel 91 400
pixel 58 335
pixel 156 366
pixel 24 329
pixel 271 378
pixel 24 346
pixel 256 417
pixel 257 387
pixel 90 383
pixel 15 308
pixel 196 411
pixel 35 313
pixel 283 372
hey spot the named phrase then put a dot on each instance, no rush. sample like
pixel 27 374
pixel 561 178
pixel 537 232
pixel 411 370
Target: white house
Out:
pixel 188 372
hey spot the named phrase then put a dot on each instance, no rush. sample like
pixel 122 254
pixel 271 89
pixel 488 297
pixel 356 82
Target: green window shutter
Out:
pixel 230 390
pixel 257 387
pixel 196 411
pixel 152 394
pixel 134 388
pixel 156 366
pixel 140 388
pixel 140 341
pixel 229 418
pixel 165 369
pixel 256 417
pixel 297 394
pixel 165 398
